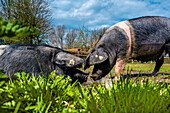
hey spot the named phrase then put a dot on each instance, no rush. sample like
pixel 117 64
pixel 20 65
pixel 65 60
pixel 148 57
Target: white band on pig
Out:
pixel 126 28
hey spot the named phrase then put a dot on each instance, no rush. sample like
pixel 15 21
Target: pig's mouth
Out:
pixel 81 77
pixel 76 74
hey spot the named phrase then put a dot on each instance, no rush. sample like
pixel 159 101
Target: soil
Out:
pixel 161 77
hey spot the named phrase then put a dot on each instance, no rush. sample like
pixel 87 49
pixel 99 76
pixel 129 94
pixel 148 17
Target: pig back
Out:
pixel 150 36
pixel 29 59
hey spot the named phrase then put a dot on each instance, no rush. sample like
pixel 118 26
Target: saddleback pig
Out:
pixel 40 59
pixel 142 39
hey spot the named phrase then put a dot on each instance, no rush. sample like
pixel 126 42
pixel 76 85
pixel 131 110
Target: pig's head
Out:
pixel 100 59
pixel 68 63
pixel 68 60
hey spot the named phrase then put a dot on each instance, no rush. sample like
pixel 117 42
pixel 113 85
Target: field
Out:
pixel 137 69
pixel 137 92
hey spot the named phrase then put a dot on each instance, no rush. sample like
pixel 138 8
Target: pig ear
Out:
pixel 98 57
pixel 87 65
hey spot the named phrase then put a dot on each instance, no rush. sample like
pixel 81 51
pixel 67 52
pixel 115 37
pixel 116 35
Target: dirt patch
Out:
pixel 161 77
pixel 143 70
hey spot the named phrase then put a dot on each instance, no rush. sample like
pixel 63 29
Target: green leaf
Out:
pixel 48 107
pixel 17 107
pixel 30 108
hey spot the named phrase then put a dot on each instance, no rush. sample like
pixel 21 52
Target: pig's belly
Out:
pixel 147 52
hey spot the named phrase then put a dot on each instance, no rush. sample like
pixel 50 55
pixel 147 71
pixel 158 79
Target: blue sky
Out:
pixel 96 14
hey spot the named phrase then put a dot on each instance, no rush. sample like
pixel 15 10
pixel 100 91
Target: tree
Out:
pixel 35 13
pixel 96 35
pixel 83 38
pixel 53 38
pixel 93 38
pixel 57 36
pixel 70 38
pixel 60 32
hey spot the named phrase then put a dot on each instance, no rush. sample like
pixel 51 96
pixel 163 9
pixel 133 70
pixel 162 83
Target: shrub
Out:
pixel 15 28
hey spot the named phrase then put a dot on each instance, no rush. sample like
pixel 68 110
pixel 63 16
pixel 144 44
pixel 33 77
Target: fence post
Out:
pixel 78 52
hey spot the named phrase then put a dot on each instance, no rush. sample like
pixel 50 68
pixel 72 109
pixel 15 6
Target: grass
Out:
pixel 142 67
pixel 56 94
pixel 147 67
pixel 40 94
pixel 126 97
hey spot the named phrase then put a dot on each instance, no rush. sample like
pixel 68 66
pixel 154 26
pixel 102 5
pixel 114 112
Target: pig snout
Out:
pixel 81 77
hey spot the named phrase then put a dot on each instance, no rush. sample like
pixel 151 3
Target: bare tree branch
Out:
pixel 35 13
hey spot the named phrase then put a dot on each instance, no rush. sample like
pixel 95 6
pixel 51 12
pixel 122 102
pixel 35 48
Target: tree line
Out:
pixel 37 14
pixel 74 38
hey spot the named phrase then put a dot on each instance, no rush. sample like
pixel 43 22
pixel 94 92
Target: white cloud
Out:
pixel 100 13
pixel 85 10
pixel 98 27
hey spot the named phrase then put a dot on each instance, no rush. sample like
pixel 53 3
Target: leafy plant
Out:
pixel 15 28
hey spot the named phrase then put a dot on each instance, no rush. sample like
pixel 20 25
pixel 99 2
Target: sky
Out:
pixel 96 14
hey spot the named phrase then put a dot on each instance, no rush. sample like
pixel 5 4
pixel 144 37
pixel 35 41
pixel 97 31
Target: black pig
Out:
pixel 40 59
pixel 142 39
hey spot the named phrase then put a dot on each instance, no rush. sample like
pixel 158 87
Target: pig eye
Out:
pixel 96 56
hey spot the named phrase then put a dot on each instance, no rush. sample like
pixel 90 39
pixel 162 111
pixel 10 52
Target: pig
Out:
pixel 40 60
pixel 143 39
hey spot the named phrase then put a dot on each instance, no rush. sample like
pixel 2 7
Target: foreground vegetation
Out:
pixel 56 94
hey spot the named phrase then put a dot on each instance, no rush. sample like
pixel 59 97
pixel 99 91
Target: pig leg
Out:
pixel 159 63
pixel 119 68
pixel 167 48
